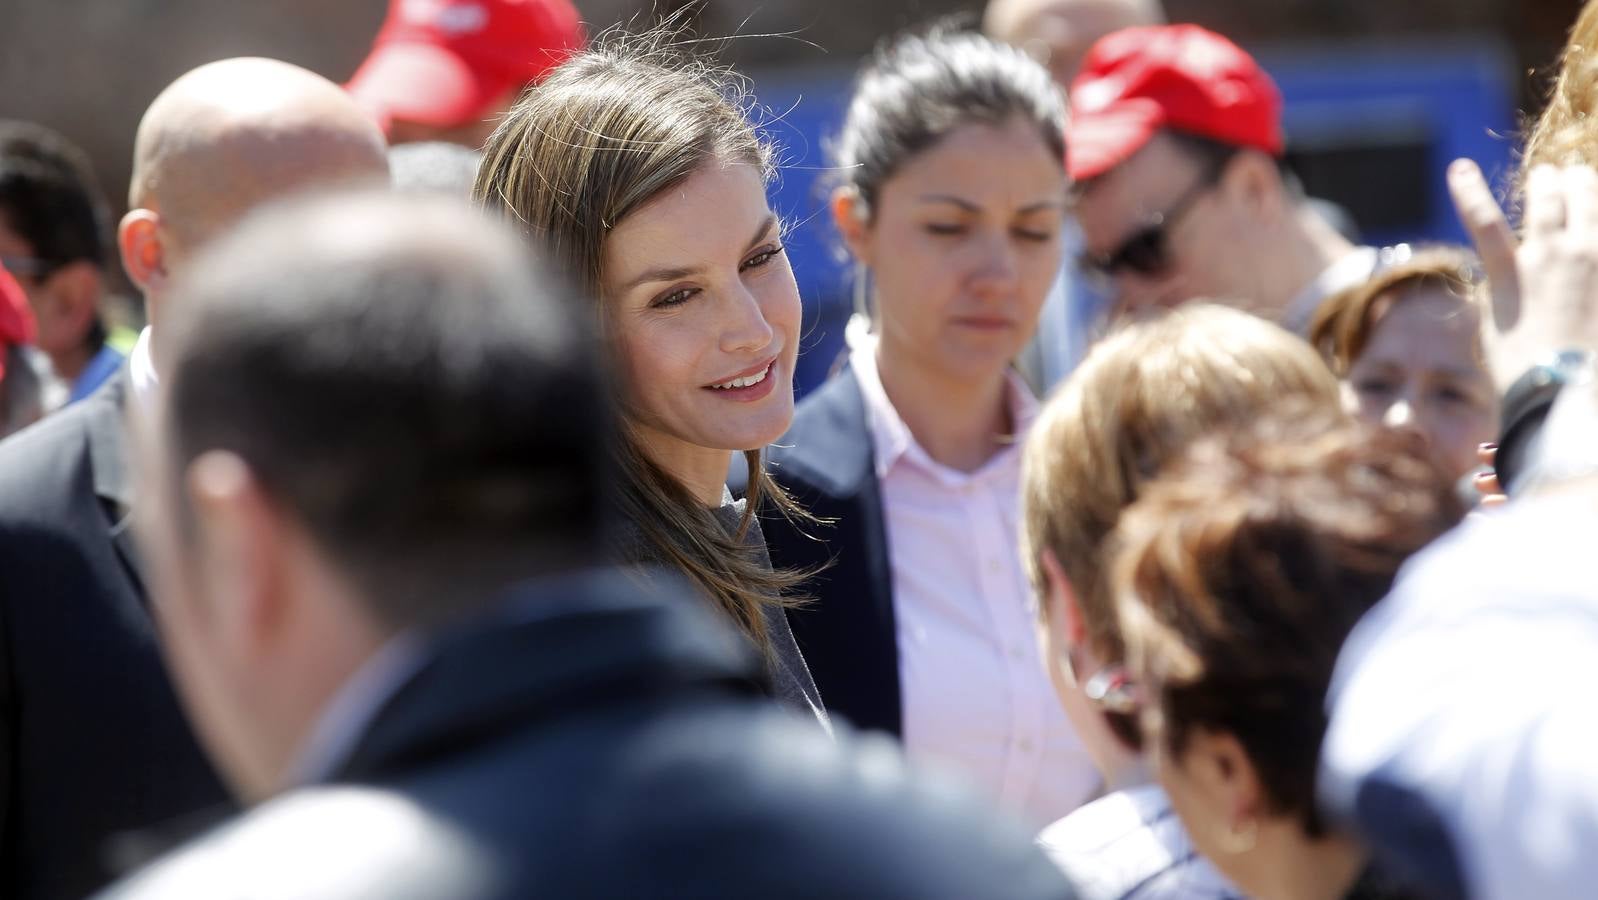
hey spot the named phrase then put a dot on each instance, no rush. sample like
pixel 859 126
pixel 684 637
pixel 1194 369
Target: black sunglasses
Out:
pixel 1145 251
pixel 29 267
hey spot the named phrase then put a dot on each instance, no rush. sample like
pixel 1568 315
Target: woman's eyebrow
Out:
pixel 676 273
pixel 968 206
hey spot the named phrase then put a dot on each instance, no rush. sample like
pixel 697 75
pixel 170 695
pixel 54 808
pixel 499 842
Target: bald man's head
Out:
pixel 1058 33
pixel 230 136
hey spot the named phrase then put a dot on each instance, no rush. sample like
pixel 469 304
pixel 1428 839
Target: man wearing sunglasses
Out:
pixel 1175 146
pixel 53 233
pixel 1058 34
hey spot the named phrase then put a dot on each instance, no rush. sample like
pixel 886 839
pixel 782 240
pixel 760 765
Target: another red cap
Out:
pixel 16 317
pixel 1181 77
pixel 445 62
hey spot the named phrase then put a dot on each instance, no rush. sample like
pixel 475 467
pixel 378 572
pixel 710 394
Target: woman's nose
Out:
pixel 745 328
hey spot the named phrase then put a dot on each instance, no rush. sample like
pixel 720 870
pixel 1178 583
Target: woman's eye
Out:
pixel 675 298
pixel 1375 386
pixel 1027 234
pixel 761 258
pixel 945 229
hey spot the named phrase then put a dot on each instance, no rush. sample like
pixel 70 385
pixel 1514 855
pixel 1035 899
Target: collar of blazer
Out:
pixel 105 424
pixel 830 441
pixel 554 647
pixel 108 444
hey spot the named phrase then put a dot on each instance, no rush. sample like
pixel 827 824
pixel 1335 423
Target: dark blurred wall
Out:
pixel 89 67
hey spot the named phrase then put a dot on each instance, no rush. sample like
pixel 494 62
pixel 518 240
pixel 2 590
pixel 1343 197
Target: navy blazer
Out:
pixel 602 738
pixel 847 633
pixel 93 742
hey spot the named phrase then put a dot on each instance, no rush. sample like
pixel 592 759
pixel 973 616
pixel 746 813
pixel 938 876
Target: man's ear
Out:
pixel 143 254
pixel 850 216
pixel 1254 181
pixel 1062 603
pixel 245 538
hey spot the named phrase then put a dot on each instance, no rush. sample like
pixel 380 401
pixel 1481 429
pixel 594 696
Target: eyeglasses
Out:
pixel 29 267
pixel 1146 251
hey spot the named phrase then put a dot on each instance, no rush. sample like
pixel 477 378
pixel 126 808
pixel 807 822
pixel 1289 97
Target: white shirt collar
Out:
pixel 1351 269
pixel 345 719
pixel 141 370
pixel 891 439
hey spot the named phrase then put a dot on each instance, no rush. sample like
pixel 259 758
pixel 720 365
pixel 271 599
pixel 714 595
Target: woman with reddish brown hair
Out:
pixel 1406 346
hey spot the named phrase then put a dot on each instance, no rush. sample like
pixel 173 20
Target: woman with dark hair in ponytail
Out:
pixel 951 201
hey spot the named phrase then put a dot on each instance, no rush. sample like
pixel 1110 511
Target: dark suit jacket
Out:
pixel 847 633
pixel 599 738
pixel 92 741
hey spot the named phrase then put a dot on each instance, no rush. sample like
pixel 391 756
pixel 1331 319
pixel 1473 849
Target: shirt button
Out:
pixel 1024 745
pixel 994 566
pixel 1017 654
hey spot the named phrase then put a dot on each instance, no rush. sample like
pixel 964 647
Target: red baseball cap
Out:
pixel 16 317
pixel 446 62
pixel 1181 77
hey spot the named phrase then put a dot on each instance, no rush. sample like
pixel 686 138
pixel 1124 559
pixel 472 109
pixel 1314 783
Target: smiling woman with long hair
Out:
pixel 636 169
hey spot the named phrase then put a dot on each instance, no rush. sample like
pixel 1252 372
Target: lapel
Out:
pixel 830 447
pixel 113 478
pixel 830 442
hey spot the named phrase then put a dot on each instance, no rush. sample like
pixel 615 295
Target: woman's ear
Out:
pixel 850 216
pixel 1061 602
pixel 1059 631
pixel 1220 767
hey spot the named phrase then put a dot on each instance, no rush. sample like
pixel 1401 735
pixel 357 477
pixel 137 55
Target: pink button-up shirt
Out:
pixel 976 696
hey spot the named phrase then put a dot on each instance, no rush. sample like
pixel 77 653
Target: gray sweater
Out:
pixel 791 683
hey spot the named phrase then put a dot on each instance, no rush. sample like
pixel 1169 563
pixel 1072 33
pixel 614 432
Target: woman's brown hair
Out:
pixel 1141 396
pixel 1343 324
pixel 1239 573
pixel 605 133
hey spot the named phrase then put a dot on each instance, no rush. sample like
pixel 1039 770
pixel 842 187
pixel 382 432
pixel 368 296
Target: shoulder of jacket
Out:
pixel 322 844
pixel 37 462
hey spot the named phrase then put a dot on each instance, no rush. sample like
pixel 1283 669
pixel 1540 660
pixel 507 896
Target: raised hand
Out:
pixel 1544 287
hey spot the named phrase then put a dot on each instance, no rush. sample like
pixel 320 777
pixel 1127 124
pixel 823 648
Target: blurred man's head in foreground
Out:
pixel 376 414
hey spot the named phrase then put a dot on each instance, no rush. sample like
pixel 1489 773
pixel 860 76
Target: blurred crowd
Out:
pixel 452 530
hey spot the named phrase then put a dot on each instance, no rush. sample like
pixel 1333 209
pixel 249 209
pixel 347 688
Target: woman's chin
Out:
pixel 761 443
pixel 745 443
pixel 757 435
